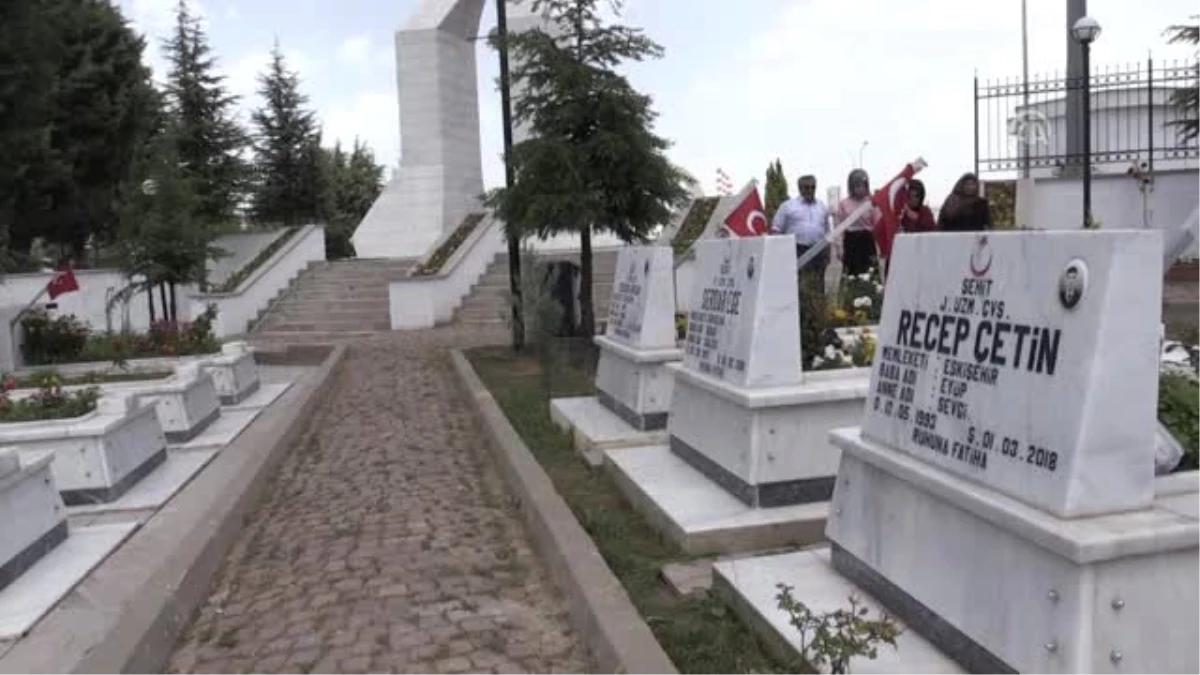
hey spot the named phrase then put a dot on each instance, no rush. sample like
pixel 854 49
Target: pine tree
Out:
pixel 593 162
pixel 287 186
pixel 1186 100
pixel 776 190
pixel 209 138
pixel 353 183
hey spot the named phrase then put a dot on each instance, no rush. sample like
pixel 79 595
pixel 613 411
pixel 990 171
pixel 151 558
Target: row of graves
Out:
pixel 990 481
pixel 74 489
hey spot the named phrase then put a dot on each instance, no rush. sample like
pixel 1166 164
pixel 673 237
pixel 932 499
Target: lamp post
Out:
pixel 1085 31
pixel 860 153
pixel 514 244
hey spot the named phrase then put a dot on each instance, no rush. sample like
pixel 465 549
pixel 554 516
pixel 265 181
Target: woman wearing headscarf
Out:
pixel 858 252
pixel 915 216
pixel 964 210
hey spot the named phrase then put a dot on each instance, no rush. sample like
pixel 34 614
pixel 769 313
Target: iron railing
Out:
pixel 1034 125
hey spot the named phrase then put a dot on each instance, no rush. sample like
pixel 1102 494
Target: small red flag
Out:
pixel 63 281
pixel 748 219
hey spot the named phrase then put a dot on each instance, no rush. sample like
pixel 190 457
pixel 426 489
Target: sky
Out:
pixel 740 84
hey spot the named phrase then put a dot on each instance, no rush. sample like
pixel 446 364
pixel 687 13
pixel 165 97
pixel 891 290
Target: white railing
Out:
pixel 237 308
pixel 424 301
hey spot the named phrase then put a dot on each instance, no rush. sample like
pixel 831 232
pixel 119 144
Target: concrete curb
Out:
pixel 600 610
pixel 128 613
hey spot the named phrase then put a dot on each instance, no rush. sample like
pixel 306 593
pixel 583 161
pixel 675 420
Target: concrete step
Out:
pixel 305 316
pixel 338 284
pixel 335 295
pixel 272 337
pixel 292 305
pixel 276 324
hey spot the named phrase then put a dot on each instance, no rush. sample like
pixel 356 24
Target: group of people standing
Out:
pixel 808 220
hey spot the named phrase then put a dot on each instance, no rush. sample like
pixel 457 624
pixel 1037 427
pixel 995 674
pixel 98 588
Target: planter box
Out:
pixel 234 372
pixel 97 457
pixel 185 403
pixel 32 519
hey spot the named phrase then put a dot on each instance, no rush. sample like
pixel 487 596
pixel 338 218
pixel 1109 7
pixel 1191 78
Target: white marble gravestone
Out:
pixel 633 385
pixel 747 462
pixel 32 518
pixel 1000 496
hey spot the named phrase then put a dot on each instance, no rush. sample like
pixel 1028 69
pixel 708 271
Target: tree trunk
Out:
pixel 174 315
pixel 587 318
pixel 162 294
pixel 150 301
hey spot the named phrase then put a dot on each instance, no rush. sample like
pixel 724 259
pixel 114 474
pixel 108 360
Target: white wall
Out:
pixel 242 248
pixel 1057 203
pixel 89 302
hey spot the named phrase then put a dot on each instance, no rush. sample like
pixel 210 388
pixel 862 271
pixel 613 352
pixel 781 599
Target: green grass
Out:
pixel 1179 411
pixel 699 633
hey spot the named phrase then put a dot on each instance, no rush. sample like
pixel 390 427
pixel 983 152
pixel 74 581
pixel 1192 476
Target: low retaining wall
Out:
pixel 424 301
pixel 600 610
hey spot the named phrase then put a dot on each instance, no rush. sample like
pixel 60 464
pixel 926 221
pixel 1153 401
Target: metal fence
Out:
pixel 1035 125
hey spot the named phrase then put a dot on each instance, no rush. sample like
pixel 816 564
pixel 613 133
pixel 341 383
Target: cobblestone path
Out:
pixel 384 543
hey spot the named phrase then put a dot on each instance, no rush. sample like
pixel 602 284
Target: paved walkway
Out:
pixel 384 544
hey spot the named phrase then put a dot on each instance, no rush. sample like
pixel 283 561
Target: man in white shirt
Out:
pixel 807 219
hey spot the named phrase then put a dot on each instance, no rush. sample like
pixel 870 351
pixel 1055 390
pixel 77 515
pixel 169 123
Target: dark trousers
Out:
pixel 815 270
pixel 858 252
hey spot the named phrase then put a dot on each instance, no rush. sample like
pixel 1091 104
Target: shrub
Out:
pixel 860 300
pixel 693 223
pixel 52 340
pixel 1179 412
pixel 813 311
pixel 833 638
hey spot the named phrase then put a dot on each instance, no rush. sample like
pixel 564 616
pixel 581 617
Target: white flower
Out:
pixel 862 302
pixel 878 288
pixel 818 362
pixel 830 352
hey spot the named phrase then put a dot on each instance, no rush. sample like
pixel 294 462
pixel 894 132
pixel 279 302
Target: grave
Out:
pixel 32 519
pixel 748 464
pixel 234 372
pixel 1000 496
pixel 98 456
pixel 633 384
pixel 186 403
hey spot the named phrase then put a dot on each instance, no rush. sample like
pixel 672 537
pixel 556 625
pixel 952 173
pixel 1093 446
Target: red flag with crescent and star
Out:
pixel 63 281
pixel 748 219
pixel 890 200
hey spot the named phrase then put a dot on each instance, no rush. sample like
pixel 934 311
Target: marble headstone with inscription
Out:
pixel 1030 369
pixel 999 496
pixel 640 338
pixel 743 414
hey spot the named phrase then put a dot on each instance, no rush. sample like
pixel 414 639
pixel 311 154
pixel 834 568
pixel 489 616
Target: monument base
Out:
pixel 750 587
pixel 698 514
pixel 595 428
pixel 766 446
pixel 634 383
pixel 1001 586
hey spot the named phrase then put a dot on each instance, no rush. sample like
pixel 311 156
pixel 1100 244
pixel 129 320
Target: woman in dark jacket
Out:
pixel 964 210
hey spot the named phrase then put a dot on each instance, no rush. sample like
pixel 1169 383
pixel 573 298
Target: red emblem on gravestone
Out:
pixel 981 257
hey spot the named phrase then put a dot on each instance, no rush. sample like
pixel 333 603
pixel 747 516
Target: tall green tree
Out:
pixel 288 172
pixel 353 182
pixel 593 162
pixel 1187 99
pixel 163 240
pixel 776 189
pixel 78 104
pixel 208 136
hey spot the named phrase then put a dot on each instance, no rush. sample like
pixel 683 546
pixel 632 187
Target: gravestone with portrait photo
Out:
pixel 748 430
pixel 633 386
pixel 1000 495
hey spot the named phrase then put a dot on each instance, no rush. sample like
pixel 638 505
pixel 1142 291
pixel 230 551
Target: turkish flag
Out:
pixel 748 219
pixel 63 281
pixel 890 200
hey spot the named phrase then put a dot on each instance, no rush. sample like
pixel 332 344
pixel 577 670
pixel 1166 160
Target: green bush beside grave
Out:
pixel 1179 411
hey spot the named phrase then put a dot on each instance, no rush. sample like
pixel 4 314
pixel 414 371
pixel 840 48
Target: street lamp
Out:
pixel 860 153
pixel 1085 31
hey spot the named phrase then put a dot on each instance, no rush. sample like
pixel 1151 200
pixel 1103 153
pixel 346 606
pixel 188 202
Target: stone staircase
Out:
pixel 332 301
pixel 487 303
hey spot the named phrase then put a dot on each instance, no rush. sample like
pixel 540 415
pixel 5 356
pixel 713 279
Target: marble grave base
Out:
pixel 234 372
pixel 634 383
pixel 32 520
pixel 698 514
pixel 750 587
pixel 1001 586
pixel 595 428
pixel 766 446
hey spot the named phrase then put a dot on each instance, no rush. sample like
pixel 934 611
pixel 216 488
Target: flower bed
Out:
pixel 693 223
pixel 49 402
pixel 856 350
pixel 434 263
pixel 859 301
pixel 66 339
pixel 234 280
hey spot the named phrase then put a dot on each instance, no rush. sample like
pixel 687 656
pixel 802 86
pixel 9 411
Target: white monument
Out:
pixel 1000 495
pixel 632 381
pixel 748 461
pixel 440 176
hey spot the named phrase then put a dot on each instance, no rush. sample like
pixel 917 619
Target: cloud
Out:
pixel 232 12
pixel 355 49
